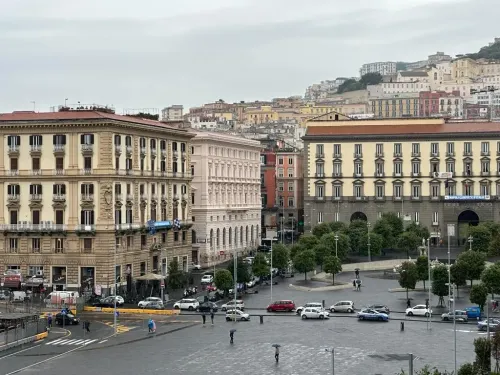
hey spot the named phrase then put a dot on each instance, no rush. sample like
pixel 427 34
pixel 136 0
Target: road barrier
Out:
pixel 131 311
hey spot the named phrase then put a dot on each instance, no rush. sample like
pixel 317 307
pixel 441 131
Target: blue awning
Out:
pixel 163 224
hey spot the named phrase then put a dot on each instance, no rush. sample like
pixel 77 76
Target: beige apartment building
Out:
pixel 81 185
pixel 361 169
pixel 226 196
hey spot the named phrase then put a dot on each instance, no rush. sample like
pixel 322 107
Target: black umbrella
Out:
pixel 356 269
pixel 276 345
pixel 232 331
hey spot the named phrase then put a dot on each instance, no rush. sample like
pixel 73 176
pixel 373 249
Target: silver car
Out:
pixel 343 306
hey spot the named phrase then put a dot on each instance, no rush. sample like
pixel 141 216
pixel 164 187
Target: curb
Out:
pixel 398 290
pixel 110 310
pixel 26 340
pixel 320 288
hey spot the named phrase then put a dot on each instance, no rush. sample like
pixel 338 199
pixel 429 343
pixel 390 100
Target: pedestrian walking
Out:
pixel 277 354
pixel 204 317
pixel 150 325
pixel 212 316
pixel 49 321
pixel 356 272
pixel 231 337
pixel 86 326
pixel 354 284
pixel 358 285
pixel 408 303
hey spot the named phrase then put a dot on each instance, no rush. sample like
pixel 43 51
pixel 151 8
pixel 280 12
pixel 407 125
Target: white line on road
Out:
pixel 45 360
pixel 100 342
pixel 20 351
pixel 54 342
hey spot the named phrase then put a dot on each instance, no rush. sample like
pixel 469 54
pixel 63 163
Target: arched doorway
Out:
pixel 359 216
pixel 466 219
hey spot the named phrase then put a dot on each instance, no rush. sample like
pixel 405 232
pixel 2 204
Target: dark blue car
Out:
pixel 370 314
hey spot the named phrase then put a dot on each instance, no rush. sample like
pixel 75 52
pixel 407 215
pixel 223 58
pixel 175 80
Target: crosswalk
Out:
pixel 120 328
pixel 75 342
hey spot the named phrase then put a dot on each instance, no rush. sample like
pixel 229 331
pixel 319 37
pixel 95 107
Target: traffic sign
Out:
pixel 451 230
pixel 162 284
pixel 63 312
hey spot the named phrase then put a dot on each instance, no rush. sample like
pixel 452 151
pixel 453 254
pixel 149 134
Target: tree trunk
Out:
pixel 333 278
pixel 305 276
pixel 457 292
pixel 424 284
pixel 471 283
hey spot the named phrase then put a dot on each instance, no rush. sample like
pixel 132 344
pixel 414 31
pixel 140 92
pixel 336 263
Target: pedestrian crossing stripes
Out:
pixel 120 328
pixel 68 342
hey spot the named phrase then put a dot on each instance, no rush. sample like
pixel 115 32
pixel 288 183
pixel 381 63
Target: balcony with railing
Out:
pixel 130 197
pixel 86 171
pixel 35 250
pixel 13 172
pixel 87 197
pixel 28 227
pixel 183 155
pixel 36 172
pixel 13 198
pixel 127 226
pixel 59 197
pixel 118 150
pixel 128 150
pixel 13 150
pixel 58 250
pixel 163 153
pixel 87 148
pixel 36 197
pixel 143 151
pixel 118 197
pixel 153 152
pixel 175 154
pixel 144 197
pixel 59 149
pixel 35 149
pixel 85 228
pixel 87 250
pixel 59 172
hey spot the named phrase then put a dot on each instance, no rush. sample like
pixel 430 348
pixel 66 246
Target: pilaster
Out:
pixel 105 151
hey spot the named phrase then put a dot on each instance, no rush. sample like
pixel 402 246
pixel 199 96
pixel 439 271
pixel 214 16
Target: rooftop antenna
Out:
pixel 34 105
pixel 65 102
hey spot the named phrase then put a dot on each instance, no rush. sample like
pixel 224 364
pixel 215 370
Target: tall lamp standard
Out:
pixel 332 350
pixel 336 244
pixel 114 299
pixel 368 225
pixel 470 240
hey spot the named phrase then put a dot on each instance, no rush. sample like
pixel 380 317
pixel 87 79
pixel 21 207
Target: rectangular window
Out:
pixel 337 150
pixel 415 149
pixel 319 150
pixel 358 169
pixel 280 160
pixel 59 214
pixel 485 167
pixel 434 149
pixel 87 162
pixel 417 217
pixel 290 161
pixel 281 186
pixel 87 139
pixel 290 186
pixel 290 202
pixel 35 245
pixel 435 191
pixel 484 189
pixel 320 191
pixel 467 148
pixel 397 149
pixel 415 191
pixel 415 168
pixel 398 168
pixel 450 148
pixel 320 217
pixel 358 150
pixel 13 216
pixel 337 191
pixel 13 164
pixel 320 172
pixel 358 191
pixel 379 191
pixel 450 166
pixel 87 217
pixel 379 169
pixel 435 218
pixel 290 172
pixel 337 169
pixel 398 191
pixel 485 148
pixel 35 164
pixel 280 172
pixel 468 189
pixel 379 150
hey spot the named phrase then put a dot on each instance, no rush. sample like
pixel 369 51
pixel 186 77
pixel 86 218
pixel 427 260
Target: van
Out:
pixel 18 296
pixel 59 298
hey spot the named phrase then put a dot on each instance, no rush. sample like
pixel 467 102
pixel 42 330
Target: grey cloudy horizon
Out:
pixel 154 53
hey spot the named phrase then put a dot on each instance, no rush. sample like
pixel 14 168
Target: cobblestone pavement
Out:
pixel 364 348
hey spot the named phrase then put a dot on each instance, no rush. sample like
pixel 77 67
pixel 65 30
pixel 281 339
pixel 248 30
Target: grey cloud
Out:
pixel 273 48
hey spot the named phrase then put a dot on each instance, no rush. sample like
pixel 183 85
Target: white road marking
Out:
pixel 73 342
pixel 20 351
pixel 100 342
pixel 54 342
pixel 39 363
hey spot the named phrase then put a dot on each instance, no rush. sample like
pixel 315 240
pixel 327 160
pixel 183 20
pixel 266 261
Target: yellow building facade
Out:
pixel 80 186
pixel 361 169
pixel 395 107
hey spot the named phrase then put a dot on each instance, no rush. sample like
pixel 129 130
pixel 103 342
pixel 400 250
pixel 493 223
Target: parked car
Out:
pixel 282 305
pixel 240 305
pixel 314 313
pixel 342 306
pixel 419 310
pixel 109 302
pixel 492 322
pixel 69 319
pixel 253 281
pixel 195 266
pixel 154 305
pixel 380 307
pixel 370 314
pixel 473 312
pixel 264 248
pixel 318 305
pixel 248 260
pixel 187 304
pixel 238 315
pixel 145 301
pixel 458 315
pixel 207 279
pixel 208 307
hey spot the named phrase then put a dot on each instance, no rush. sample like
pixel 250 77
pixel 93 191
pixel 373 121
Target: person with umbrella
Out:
pixel 356 272
pixel 277 352
pixel 231 336
pixel 212 315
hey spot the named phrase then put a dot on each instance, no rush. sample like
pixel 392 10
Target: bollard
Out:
pixel 323 302
pixel 402 326
pixel 261 319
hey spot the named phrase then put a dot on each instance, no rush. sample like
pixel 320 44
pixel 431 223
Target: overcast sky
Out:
pixel 154 53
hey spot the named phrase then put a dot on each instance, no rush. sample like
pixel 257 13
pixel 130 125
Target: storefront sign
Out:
pixel 58 279
pixel 467 197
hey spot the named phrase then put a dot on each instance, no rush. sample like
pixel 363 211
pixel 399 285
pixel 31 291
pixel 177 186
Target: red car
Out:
pixel 282 305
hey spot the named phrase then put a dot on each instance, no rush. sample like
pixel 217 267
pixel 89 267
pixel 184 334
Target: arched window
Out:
pixel 218 237
pixel 211 238
pixel 224 237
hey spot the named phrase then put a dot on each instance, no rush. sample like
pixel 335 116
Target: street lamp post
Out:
pixel 454 324
pixel 332 350
pixel 336 244
pixel 429 288
pixel 369 252
pixel 116 294
pixel 470 239
pixel 271 271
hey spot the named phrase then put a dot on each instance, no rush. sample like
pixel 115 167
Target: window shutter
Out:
pixel 54 139
pixel 31 140
pixel 82 139
pixel 31 189
pixel 9 140
pixel 82 188
pixel 91 139
pixel 54 189
pixel 91 189
pixel 63 139
pixel 40 191
pixel 18 140
pixel 63 189
pixel 41 140
pixel 82 217
pixel 17 189
pixel 91 217
pixel 9 189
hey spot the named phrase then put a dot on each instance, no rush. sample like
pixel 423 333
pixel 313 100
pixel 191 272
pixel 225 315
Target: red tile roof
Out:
pixel 446 128
pixel 78 115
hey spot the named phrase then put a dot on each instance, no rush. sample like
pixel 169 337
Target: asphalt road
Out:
pixel 184 346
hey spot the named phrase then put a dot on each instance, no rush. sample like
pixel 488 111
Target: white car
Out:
pixel 144 302
pixel 207 279
pixel 419 310
pixel 314 313
pixel 342 306
pixel 318 305
pixel 187 304
pixel 238 314
pixel 119 300
pixel 240 305
pixel 195 266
